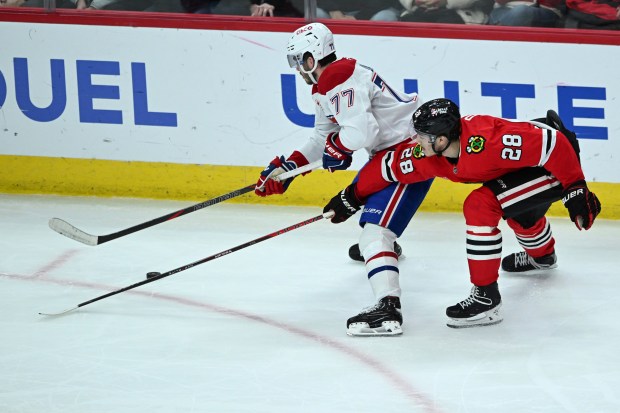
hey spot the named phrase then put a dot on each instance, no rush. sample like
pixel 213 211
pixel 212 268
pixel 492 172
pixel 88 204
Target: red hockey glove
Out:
pixel 335 155
pixel 583 206
pixel 266 185
pixel 344 205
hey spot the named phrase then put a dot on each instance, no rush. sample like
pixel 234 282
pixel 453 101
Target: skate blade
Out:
pixel 388 328
pixel 484 319
pixel 532 270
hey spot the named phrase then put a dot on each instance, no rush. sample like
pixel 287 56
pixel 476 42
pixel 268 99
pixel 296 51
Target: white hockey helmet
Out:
pixel 313 38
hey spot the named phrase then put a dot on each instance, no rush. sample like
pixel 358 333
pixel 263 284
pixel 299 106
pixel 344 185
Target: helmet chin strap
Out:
pixel 312 77
pixel 438 152
pixel 310 72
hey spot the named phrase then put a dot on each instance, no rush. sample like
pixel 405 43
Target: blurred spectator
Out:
pixel 383 10
pixel 532 13
pixel 270 8
pixel 277 8
pixel 11 3
pixel 61 4
pixel 593 14
pixel 39 3
pixel 447 11
pixel 199 6
pixel 168 6
pixel 127 5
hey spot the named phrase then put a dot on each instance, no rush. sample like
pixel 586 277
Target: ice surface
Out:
pixel 263 329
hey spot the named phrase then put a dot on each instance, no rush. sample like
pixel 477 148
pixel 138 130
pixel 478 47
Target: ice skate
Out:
pixel 481 308
pixel 521 261
pixel 356 255
pixel 382 319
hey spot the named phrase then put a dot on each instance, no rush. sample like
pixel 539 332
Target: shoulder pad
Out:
pixel 335 74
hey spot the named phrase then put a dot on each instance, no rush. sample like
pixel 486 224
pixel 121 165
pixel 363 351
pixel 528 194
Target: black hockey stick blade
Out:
pixel 195 263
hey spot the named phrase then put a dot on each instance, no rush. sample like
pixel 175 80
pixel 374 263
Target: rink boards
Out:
pixel 84 177
pixel 189 109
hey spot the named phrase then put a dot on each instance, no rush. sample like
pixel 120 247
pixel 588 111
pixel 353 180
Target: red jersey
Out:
pixel 605 9
pixel 489 148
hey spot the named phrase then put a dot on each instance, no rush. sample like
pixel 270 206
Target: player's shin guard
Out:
pixel 382 270
pixel 377 245
pixel 484 251
pixel 356 255
pixel 484 239
pixel 536 240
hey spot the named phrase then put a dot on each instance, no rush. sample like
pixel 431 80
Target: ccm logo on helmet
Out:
pixel 304 29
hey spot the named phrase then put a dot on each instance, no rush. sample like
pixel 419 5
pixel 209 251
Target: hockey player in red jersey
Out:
pixel 523 166
pixel 355 110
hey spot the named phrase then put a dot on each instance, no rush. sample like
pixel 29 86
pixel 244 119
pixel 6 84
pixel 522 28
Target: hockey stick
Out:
pixel 195 263
pixel 70 231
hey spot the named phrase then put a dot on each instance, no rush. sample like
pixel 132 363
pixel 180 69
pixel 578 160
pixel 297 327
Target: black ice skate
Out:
pixel 481 308
pixel 521 261
pixel 356 255
pixel 382 319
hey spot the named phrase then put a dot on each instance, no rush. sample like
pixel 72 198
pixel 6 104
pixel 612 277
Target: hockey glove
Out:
pixel 344 205
pixel 335 155
pixel 266 185
pixel 583 206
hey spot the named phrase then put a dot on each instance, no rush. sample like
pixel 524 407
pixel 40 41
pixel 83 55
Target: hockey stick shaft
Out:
pixel 195 263
pixel 70 231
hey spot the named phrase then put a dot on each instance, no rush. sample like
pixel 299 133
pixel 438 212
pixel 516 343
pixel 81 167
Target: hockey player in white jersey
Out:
pixel 355 110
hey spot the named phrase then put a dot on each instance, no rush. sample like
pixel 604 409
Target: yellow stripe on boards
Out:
pixel 158 180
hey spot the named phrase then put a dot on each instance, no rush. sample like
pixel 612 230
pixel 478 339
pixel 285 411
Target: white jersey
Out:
pixel 354 101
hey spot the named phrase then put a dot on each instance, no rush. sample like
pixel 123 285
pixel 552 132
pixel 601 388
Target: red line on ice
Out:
pixel 54 264
pixel 420 400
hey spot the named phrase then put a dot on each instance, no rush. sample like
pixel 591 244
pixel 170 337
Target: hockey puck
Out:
pixel 152 274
